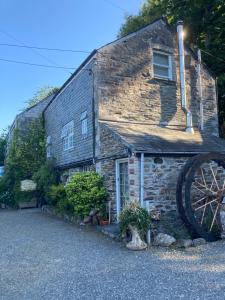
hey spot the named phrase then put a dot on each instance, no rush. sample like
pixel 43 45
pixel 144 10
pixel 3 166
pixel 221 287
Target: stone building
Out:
pixel 30 114
pixel 135 111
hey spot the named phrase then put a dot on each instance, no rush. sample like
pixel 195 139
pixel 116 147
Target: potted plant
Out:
pixel 103 217
pixel 137 220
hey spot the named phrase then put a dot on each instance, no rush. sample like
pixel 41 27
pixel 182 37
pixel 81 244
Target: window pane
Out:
pixel 70 141
pixel 84 126
pixel 161 71
pixel 161 59
pixel 124 186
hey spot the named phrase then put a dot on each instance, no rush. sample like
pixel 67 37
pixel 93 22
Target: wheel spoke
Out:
pixel 223 184
pixel 203 177
pixel 213 212
pixel 199 200
pixel 213 180
pixel 203 214
pixel 198 189
pixel 214 177
pixel 208 203
pixel 214 217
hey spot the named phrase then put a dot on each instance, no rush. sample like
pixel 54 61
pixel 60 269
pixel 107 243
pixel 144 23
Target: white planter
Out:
pixel 136 243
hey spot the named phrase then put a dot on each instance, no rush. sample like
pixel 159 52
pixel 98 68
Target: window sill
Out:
pixel 159 79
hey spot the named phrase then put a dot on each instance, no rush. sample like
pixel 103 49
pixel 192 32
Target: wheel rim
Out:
pixel 180 198
pixel 204 193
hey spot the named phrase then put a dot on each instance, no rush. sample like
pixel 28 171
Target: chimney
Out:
pixel 189 127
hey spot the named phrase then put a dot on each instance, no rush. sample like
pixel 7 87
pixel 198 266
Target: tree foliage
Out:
pixel 41 94
pixel 26 154
pixel 45 177
pixel 204 26
pixel 2 148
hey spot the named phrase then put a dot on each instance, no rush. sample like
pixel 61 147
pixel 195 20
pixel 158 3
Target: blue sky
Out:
pixel 69 24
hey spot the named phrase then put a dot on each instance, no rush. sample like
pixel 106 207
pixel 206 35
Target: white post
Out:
pixel 142 180
pixel 181 61
pixel 189 126
pixel 200 88
pixel 117 191
pixel 149 237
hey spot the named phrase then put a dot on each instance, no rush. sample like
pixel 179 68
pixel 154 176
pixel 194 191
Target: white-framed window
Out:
pixel 68 136
pixel 86 168
pixel 84 124
pixel 48 146
pixel 162 65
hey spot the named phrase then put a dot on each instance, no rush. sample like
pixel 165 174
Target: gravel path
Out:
pixel 42 257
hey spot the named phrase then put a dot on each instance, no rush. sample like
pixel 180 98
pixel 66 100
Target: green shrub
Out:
pixel 85 192
pixel 56 194
pixel 65 207
pixel 45 177
pixel 136 216
pixel 5 194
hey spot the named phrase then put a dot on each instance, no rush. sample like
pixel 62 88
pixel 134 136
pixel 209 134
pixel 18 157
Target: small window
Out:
pixel 84 123
pixel 162 66
pixel 86 168
pixel 68 136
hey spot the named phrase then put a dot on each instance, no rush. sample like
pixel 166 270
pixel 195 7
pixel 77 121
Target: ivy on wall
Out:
pixel 26 153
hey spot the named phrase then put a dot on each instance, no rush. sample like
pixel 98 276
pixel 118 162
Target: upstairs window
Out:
pixel 68 136
pixel 84 124
pixel 162 65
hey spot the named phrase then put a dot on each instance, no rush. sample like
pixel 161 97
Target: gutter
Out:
pixel 170 153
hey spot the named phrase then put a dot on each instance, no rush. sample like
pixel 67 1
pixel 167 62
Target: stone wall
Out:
pixel 161 174
pixel 109 147
pixel 25 118
pixel 128 91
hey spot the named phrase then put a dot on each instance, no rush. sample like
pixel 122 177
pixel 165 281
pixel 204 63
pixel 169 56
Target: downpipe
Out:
pixel 189 125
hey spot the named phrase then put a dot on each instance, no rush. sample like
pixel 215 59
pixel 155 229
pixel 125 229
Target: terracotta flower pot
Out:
pixel 104 222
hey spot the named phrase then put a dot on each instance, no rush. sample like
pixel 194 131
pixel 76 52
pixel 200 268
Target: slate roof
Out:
pixel 163 140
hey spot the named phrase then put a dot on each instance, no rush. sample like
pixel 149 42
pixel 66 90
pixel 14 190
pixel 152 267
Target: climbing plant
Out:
pixel 26 153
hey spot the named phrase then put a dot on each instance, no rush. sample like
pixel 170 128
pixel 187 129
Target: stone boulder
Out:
pixel 164 240
pixel 198 242
pixel 183 243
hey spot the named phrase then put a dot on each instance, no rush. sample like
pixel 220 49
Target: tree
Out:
pixel 205 27
pixel 26 154
pixel 2 148
pixel 41 94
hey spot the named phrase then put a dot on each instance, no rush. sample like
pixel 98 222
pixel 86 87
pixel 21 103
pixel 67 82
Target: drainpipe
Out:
pixel 189 127
pixel 142 180
pixel 148 237
pixel 91 73
pixel 200 89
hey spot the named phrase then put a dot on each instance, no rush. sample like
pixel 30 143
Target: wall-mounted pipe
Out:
pixel 142 180
pixel 200 90
pixel 189 126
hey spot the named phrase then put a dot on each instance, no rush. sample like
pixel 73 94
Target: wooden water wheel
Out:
pixel 200 195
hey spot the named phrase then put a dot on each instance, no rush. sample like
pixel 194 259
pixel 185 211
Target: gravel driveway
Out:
pixel 42 257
